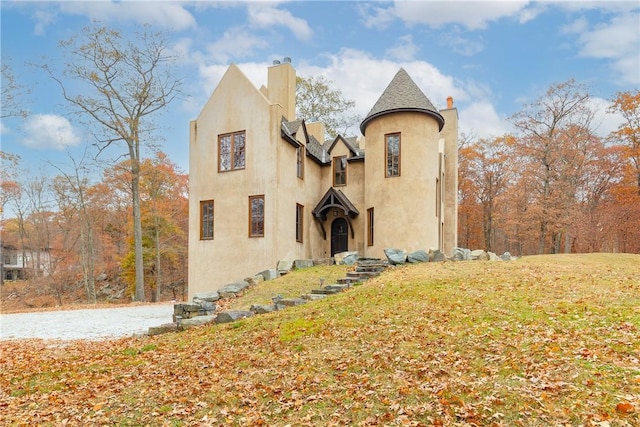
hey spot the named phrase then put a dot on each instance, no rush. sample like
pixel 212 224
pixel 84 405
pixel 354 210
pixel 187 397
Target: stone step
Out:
pixel 362 274
pixel 370 268
pixel 348 280
pixel 372 261
pixel 324 291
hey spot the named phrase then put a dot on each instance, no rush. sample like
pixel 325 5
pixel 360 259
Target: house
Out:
pixel 265 186
pixel 21 264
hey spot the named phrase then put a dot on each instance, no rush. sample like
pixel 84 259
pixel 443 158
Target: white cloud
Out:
pixel 267 15
pixel 578 26
pixel 43 18
pixel 462 45
pixel 49 131
pixel 604 121
pixel 471 14
pixel 619 41
pixel 375 17
pixel 481 119
pixel 404 50
pixel 235 43
pixel 346 69
pixel 172 15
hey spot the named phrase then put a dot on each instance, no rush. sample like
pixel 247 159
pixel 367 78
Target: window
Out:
pixel 300 162
pixel 392 155
pixel 339 171
pixel 256 216
pixel 299 222
pixel 370 226
pixel 231 151
pixel 206 220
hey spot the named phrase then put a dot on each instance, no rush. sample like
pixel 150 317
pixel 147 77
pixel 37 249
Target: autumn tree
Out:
pixel 553 133
pixel 469 210
pixel 628 133
pixel 626 139
pixel 71 190
pixel 164 203
pixel 164 191
pixel 118 84
pixel 316 101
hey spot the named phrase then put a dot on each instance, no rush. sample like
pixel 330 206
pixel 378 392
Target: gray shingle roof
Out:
pixel 402 94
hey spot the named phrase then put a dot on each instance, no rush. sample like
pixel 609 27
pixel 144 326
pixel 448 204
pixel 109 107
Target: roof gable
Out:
pixel 401 95
pixel 233 83
pixel 348 142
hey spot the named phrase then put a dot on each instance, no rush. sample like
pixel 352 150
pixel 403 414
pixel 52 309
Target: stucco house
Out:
pixel 265 186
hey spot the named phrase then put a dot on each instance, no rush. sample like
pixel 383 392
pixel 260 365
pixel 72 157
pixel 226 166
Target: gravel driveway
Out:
pixel 89 324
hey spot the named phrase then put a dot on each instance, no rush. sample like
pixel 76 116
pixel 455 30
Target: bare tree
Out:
pixel 71 193
pixel 118 84
pixel 12 94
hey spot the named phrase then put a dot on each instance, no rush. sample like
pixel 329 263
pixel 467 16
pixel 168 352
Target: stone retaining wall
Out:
pixel 205 309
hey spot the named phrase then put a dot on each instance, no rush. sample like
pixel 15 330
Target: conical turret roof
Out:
pixel 402 95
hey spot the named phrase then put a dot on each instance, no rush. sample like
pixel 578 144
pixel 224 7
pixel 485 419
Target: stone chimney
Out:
pixel 281 87
pixel 449 102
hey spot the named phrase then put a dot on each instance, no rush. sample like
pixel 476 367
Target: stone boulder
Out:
pixel 494 257
pixel 284 266
pixel 254 280
pixel 302 263
pixel 185 324
pixel 211 296
pixel 270 274
pixel 506 256
pixel 232 316
pixel 480 255
pixel 346 258
pixel 163 329
pixel 232 290
pixel 291 302
pixel 395 256
pixel 436 255
pixel 418 256
pixel 262 309
pixel 461 254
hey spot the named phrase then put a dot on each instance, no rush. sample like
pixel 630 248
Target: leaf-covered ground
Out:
pixel 542 341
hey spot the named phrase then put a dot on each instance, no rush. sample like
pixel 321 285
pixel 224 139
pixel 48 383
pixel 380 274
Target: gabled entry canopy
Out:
pixel 334 199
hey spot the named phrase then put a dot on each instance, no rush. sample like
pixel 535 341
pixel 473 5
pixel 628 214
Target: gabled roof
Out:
pixel 402 95
pixel 334 199
pixel 349 142
pixel 288 131
pixel 315 150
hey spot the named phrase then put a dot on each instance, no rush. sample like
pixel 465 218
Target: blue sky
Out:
pixel 492 57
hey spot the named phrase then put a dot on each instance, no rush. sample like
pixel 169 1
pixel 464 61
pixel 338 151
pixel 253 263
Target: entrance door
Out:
pixel 339 236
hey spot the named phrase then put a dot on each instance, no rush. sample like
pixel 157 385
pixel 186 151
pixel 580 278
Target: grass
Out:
pixel 542 341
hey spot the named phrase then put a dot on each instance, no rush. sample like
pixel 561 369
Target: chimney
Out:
pixel 449 102
pixel 281 87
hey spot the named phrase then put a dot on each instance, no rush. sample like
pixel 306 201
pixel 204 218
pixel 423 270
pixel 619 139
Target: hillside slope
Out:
pixel 548 340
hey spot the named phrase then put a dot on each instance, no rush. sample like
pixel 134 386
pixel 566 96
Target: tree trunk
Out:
pixel 158 270
pixel 137 228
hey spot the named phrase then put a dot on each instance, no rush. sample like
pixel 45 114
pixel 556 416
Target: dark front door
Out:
pixel 339 236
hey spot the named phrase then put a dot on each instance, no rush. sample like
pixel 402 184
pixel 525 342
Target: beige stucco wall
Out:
pixel 235 105
pixel 354 191
pixel 404 206
pixel 450 194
